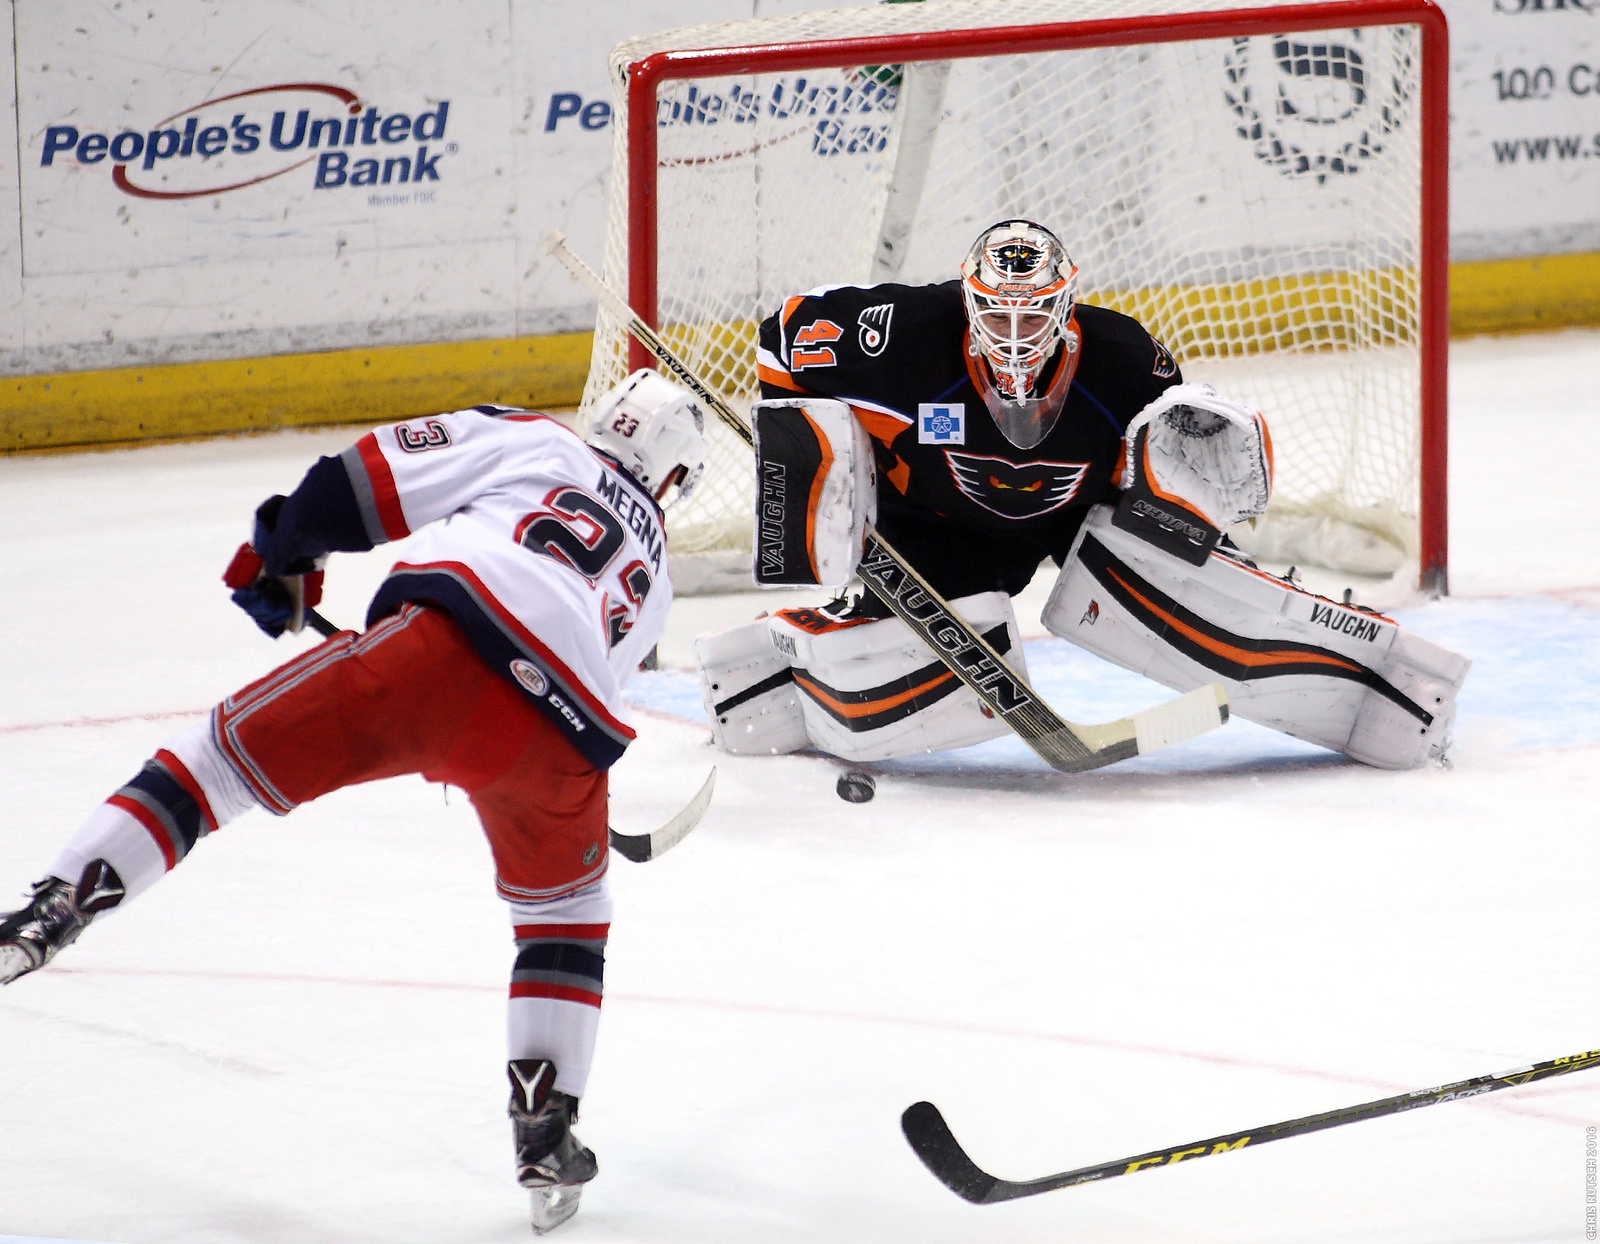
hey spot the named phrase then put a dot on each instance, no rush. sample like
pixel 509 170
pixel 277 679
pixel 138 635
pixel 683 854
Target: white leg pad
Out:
pixel 1350 680
pixel 749 695
pixel 873 690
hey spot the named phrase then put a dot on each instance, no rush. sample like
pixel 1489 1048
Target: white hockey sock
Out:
pixel 186 790
pixel 556 983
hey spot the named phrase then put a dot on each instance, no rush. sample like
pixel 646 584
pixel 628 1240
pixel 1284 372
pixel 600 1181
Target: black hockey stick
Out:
pixel 642 847
pixel 942 1154
pixel 1059 743
pixel 320 624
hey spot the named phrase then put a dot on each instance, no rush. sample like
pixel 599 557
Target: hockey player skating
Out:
pixel 982 426
pixel 493 660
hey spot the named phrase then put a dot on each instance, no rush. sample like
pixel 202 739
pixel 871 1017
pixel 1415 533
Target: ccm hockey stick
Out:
pixel 642 847
pixel 942 1154
pixel 1061 744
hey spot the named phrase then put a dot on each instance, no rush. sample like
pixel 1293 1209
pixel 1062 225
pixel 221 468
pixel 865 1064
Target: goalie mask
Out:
pixel 1019 287
pixel 655 432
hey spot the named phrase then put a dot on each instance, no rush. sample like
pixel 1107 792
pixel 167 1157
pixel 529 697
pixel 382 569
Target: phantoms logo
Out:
pixel 253 136
pixel 1016 490
pixel 1323 106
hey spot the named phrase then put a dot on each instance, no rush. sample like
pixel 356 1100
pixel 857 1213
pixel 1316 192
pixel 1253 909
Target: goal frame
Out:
pixel 645 77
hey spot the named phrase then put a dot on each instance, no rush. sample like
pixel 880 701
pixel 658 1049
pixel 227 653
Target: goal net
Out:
pixel 1247 181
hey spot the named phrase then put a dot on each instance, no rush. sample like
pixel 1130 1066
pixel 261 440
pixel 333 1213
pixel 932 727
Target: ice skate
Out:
pixel 551 1162
pixel 58 912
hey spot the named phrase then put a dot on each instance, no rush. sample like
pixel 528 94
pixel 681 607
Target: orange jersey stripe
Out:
pixel 881 427
pixel 781 379
pixel 899 475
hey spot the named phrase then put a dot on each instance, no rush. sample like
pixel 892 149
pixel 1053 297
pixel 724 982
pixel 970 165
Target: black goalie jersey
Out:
pixel 965 506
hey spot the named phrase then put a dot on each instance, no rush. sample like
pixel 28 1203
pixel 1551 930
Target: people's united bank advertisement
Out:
pixel 209 180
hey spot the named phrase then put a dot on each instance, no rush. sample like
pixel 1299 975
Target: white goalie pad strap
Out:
pixel 815 492
pixel 871 690
pixel 1347 679
pixel 749 693
pixel 1203 451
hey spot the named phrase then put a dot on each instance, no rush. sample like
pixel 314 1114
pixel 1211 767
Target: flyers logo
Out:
pixel 1165 365
pixel 873 326
pixel 1016 489
pixel 814 355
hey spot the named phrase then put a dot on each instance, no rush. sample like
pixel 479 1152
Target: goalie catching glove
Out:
pixel 1196 463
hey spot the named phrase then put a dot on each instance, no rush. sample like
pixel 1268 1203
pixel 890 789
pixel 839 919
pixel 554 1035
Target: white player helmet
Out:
pixel 655 430
pixel 1019 286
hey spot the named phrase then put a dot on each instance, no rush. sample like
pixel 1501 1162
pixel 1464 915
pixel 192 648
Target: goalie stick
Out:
pixel 930 1136
pixel 642 847
pixel 1059 743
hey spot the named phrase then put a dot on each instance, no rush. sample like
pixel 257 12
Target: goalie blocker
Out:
pixel 815 492
pixel 1339 676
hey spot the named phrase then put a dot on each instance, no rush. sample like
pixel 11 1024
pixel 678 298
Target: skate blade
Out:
pixel 14 962
pixel 552 1206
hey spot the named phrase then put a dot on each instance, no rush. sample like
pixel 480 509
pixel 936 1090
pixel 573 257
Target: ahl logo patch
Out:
pixel 873 328
pixel 941 423
pixel 530 676
pixel 1016 489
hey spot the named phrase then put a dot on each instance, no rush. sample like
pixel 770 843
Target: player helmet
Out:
pixel 655 432
pixel 1019 287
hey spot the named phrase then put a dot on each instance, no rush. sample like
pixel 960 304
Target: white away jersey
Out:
pixel 551 558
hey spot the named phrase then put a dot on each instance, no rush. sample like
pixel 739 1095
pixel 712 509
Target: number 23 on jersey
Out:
pixel 579 530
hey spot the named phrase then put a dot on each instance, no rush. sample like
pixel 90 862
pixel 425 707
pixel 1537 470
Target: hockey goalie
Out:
pixel 1083 446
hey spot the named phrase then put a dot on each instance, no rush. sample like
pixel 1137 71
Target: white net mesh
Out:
pixel 1254 201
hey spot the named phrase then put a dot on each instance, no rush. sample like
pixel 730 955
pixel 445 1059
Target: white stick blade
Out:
pixel 677 829
pixel 642 847
pixel 1205 708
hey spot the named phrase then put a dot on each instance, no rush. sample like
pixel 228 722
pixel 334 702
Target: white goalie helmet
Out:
pixel 654 429
pixel 1019 287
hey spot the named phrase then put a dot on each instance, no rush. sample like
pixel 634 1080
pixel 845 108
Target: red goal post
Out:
pixel 1423 317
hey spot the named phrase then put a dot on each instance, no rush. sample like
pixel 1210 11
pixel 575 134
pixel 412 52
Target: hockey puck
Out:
pixel 855 786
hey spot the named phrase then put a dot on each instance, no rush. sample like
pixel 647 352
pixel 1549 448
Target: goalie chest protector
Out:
pixel 951 482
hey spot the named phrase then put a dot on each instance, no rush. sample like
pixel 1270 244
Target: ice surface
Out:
pixel 297 1036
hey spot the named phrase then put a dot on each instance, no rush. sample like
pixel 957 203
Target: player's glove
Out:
pixel 277 603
